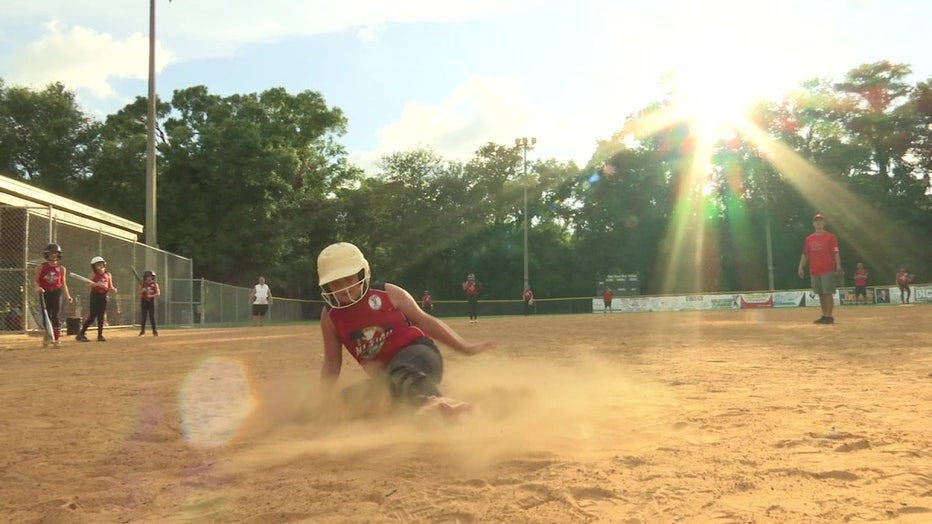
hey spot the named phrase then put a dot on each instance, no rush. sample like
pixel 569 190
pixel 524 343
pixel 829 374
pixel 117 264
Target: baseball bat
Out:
pixel 81 278
pixel 45 317
pixel 136 274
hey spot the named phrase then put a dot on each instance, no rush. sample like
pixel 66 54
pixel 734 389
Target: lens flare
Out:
pixel 215 401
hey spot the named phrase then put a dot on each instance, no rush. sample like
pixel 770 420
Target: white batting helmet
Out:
pixel 97 259
pixel 337 261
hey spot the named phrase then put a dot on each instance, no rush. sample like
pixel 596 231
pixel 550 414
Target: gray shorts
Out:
pixel 824 284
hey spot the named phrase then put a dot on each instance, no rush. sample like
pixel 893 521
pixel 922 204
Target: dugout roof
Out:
pixel 20 194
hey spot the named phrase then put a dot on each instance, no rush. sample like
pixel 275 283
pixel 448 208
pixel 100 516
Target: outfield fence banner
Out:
pixel 812 300
pixel 789 298
pixel 881 295
pixel 629 304
pixel 847 296
pixel 710 302
pixel 722 302
pixel 919 294
pixel 667 303
pixel 922 294
pixel 756 300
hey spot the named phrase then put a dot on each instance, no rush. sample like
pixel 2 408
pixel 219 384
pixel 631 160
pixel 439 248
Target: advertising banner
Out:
pixel 666 303
pixel 756 300
pixel 881 295
pixel 847 297
pixel 632 304
pixel 696 303
pixel 789 298
pixel 922 294
pixel 719 302
pixel 812 300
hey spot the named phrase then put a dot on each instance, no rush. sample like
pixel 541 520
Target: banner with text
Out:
pixel 756 300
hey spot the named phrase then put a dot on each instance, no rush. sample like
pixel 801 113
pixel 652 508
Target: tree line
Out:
pixel 259 183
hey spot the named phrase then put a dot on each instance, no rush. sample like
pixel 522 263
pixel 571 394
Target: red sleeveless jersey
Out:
pixel 373 330
pixel 99 278
pixel 860 277
pixel 149 291
pixel 51 277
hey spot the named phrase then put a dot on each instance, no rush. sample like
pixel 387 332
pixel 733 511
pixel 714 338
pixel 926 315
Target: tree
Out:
pixel 45 138
pixel 241 168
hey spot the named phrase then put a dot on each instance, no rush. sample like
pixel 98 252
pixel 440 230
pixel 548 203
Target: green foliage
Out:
pixel 259 184
pixel 45 138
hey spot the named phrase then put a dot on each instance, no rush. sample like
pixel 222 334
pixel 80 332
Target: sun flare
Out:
pixel 720 73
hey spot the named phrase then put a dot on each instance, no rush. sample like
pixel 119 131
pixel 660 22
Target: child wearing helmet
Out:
pixel 385 331
pixel 427 302
pixel 101 287
pixel 472 287
pixel 51 282
pixel 148 290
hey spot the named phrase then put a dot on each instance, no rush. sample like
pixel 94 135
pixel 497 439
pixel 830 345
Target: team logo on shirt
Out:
pixel 375 302
pixel 369 341
pixel 52 276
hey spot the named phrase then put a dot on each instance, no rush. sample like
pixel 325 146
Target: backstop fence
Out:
pixel 24 233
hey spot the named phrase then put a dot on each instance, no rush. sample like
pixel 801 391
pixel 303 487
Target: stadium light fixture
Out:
pixel 525 143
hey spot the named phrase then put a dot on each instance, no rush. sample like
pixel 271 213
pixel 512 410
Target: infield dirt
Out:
pixel 733 416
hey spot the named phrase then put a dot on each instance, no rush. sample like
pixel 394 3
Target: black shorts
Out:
pixel 860 291
pixel 259 310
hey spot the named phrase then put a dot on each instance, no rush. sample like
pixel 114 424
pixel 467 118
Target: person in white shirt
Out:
pixel 261 298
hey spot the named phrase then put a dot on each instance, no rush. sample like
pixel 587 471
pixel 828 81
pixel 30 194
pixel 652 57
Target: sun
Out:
pixel 719 71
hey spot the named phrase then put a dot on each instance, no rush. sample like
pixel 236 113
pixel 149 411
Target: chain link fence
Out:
pixel 214 303
pixel 24 233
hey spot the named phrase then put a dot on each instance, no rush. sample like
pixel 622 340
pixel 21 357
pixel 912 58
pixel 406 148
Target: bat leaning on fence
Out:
pixel 81 278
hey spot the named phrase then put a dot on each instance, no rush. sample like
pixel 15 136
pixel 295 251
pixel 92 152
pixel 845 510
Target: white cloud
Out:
pixel 196 29
pixel 371 32
pixel 483 110
pixel 82 58
pixel 494 110
pixel 86 45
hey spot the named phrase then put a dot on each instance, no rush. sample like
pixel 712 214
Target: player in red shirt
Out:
pixel 471 287
pixel 102 286
pixel 860 284
pixel 148 290
pixel 427 302
pixel 820 250
pixel 51 282
pixel 386 332
pixel 607 300
pixel 528 297
pixel 903 280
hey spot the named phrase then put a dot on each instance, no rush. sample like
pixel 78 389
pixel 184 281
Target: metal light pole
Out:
pixel 525 143
pixel 150 228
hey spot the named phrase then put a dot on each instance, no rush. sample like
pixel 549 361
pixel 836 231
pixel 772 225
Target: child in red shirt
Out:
pixel 860 284
pixel 386 332
pixel 903 280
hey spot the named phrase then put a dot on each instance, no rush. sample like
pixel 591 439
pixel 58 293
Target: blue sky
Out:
pixel 455 75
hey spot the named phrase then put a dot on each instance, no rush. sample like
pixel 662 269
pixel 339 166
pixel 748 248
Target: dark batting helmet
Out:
pixel 51 248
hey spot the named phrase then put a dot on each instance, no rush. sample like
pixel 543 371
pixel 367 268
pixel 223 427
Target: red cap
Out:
pixel 819 216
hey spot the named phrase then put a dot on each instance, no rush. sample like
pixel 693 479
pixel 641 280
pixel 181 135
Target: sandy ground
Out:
pixel 733 416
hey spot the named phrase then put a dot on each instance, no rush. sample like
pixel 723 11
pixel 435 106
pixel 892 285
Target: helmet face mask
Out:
pixel 346 295
pixel 337 262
